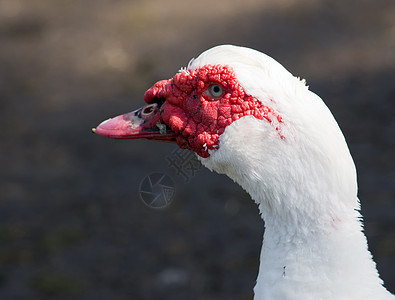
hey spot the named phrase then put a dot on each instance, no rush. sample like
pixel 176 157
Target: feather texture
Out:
pixel 304 183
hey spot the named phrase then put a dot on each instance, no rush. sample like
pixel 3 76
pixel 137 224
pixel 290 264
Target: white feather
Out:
pixel 305 185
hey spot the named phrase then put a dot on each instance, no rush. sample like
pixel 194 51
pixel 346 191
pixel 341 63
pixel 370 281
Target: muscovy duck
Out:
pixel 246 116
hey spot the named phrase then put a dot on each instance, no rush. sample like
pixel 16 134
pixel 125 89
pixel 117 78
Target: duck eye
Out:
pixel 215 91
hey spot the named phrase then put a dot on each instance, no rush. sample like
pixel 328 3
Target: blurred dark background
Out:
pixel 72 224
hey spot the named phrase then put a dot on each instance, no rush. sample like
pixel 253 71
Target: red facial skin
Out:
pixel 195 115
pixel 192 109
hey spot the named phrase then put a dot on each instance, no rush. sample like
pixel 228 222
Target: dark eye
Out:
pixel 215 91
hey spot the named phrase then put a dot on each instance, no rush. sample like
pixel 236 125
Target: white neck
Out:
pixel 313 245
pixel 313 260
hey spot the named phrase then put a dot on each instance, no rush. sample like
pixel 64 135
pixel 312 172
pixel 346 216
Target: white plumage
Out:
pixel 297 168
pixel 305 186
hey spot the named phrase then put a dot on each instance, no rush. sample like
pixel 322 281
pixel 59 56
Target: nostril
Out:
pixel 149 109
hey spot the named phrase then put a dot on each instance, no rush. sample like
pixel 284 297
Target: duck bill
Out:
pixel 143 123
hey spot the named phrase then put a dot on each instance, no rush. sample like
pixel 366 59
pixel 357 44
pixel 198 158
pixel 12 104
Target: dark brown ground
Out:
pixel 72 225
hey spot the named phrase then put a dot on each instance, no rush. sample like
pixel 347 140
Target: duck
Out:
pixel 246 116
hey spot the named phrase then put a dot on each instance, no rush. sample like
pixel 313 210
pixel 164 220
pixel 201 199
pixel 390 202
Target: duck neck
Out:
pixel 313 245
pixel 313 256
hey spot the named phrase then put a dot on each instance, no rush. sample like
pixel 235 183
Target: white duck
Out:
pixel 246 116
